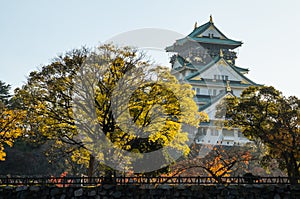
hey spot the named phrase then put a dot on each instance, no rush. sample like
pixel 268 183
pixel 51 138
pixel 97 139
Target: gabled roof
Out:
pixel 201 29
pixel 196 36
pixel 212 63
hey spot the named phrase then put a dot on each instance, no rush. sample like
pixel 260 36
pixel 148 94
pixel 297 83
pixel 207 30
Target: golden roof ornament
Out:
pixel 196 25
pixel 210 19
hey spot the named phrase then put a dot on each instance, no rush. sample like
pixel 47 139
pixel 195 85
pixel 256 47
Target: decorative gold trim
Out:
pixel 211 19
pixel 222 62
pixel 196 78
pixel 211 27
pixel 221 53
pixel 244 82
pixel 228 88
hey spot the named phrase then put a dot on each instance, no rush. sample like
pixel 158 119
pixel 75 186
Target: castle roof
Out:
pixel 201 69
pixel 207 33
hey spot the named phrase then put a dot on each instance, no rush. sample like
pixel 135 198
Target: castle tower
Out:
pixel 206 60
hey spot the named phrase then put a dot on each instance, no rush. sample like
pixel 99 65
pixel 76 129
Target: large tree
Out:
pixel 263 114
pixel 108 92
pixel 10 121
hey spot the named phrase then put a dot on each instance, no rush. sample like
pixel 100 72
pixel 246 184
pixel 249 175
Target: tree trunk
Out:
pixel 292 168
pixel 295 169
pixel 91 166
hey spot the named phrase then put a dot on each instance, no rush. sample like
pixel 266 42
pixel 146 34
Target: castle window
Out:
pixel 198 91
pixel 224 77
pixel 219 77
pixel 202 131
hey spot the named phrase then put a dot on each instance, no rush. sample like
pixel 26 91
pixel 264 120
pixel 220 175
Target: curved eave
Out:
pixel 242 70
pixel 226 42
pixel 219 83
pixel 231 44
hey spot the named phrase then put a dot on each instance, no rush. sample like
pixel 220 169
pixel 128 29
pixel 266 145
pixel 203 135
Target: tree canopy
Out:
pixel 10 121
pixel 264 114
pixel 112 92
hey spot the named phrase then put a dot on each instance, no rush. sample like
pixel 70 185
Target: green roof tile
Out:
pixel 216 41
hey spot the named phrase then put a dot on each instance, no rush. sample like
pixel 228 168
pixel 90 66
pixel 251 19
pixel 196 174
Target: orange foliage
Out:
pixel 61 182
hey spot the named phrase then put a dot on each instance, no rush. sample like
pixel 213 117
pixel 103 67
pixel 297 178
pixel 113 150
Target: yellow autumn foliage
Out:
pixel 10 128
pixel 160 108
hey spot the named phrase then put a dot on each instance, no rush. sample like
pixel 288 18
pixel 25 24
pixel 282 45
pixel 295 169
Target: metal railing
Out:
pixel 122 180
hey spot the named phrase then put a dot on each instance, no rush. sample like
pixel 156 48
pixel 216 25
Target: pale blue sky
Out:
pixel 34 32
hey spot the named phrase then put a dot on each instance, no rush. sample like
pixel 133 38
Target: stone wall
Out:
pixel 150 191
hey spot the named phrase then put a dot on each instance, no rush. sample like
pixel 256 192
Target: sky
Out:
pixel 33 32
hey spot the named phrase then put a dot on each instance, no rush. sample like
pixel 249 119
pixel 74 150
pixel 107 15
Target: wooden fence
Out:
pixel 122 180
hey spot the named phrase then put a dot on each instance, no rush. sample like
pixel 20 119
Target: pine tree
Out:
pixel 4 93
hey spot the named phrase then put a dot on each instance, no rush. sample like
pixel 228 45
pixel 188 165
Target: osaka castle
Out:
pixel 206 59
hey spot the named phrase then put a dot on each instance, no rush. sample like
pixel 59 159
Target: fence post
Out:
pixel 43 181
